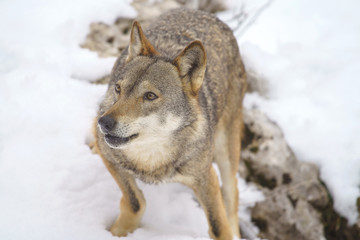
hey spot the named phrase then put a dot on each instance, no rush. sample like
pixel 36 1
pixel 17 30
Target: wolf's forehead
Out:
pixel 136 69
pixel 158 73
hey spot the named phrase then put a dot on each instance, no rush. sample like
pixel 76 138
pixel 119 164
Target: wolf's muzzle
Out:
pixel 107 124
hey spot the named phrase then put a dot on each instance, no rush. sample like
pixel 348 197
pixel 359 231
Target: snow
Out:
pixel 309 54
pixel 53 187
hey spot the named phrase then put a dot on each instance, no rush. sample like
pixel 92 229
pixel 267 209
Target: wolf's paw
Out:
pixel 121 231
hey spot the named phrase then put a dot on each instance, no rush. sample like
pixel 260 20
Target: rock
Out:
pixel 257 83
pixel 291 188
pixel 108 40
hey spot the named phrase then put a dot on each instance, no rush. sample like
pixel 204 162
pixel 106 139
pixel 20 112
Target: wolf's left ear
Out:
pixel 139 45
pixel 191 63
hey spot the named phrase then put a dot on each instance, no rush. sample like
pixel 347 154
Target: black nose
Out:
pixel 107 123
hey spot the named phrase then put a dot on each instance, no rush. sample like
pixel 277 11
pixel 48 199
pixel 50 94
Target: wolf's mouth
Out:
pixel 113 140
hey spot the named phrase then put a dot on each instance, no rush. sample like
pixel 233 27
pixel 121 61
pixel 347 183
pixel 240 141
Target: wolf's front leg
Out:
pixel 208 192
pixel 132 204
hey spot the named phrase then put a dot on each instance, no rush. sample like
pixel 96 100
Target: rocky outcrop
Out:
pixel 108 40
pixel 297 203
pixel 291 188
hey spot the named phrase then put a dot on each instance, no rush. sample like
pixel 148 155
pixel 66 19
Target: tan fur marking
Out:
pixel 227 156
pixel 210 198
pixel 127 220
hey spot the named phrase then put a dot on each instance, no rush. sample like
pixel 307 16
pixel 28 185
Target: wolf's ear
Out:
pixel 139 45
pixel 191 63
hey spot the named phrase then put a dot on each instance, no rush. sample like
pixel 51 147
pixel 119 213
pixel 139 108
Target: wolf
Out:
pixel 173 107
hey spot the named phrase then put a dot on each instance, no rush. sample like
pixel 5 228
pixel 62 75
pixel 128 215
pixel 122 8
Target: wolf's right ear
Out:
pixel 191 64
pixel 139 45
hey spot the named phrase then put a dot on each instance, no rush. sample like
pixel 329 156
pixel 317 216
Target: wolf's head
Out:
pixel 151 97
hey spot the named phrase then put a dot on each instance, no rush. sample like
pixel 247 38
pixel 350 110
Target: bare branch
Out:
pixel 244 20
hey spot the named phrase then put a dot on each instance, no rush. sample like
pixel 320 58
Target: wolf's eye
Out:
pixel 117 88
pixel 150 96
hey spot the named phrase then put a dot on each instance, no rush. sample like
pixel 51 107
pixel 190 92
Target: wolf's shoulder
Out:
pixel 175 29
pixel 182 19
pixel 188 17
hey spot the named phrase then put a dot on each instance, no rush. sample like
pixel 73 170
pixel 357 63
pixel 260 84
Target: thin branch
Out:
pixel 245 20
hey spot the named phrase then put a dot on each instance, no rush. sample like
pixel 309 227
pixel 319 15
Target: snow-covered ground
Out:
pixel 53 187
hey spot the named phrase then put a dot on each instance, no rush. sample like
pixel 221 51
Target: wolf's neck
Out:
pixel 149 156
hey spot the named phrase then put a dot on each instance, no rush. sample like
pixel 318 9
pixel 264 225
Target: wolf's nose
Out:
pixel 107 123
